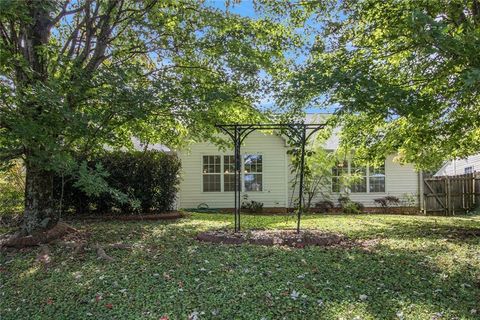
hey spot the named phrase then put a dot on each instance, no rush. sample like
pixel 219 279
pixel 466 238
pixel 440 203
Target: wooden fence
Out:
pixel 450 195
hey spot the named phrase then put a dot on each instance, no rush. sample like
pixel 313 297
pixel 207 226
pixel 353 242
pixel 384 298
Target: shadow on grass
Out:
pixel 174 274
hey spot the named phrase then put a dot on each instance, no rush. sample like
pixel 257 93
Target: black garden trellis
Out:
pixel 296 132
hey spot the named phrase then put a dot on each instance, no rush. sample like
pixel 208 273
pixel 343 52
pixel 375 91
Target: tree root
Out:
pixel 41 237
pixel 62 235
pixel 101 253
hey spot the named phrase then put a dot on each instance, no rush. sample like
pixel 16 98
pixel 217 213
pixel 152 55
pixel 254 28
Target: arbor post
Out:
pixel 302 170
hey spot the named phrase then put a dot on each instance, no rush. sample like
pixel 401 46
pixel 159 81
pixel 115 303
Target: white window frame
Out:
pixel 367 176
pixel 222 171
pixel 244 189
pixel 203 174
pixel 384 180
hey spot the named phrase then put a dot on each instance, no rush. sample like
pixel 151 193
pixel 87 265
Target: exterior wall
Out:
pixel 458 166
pixel 400 181
pixel 273 150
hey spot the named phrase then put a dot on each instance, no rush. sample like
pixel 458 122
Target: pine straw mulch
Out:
pixel 289 238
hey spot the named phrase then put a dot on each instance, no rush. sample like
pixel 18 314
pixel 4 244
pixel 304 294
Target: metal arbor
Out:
pixel 296 132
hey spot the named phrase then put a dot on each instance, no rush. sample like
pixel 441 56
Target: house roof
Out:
pixel 331 143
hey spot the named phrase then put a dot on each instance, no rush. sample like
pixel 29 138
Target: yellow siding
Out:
pixel 277 191
pixel 400 180
pixel 273 151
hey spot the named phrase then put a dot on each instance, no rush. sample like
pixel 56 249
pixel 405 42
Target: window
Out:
pixel 218 173
pixel 359 173
pixel 340 169
pixel 228 173
pixel 211 173
pixel 377 179
pixel 253 172
pixel 468 170
pixel 371 180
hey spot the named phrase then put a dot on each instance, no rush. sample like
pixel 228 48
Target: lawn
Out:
pixel 421 268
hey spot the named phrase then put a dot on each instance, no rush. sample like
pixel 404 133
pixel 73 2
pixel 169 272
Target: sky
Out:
pixel 246 8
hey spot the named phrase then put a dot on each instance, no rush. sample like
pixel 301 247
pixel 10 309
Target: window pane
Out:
pixel 377 172
pixel 357 169
pixel 211 164
pixel 228 164
pixel 229 182
pixel 211 182
pixel 340 168
pixel 360 185
pixel 253 182
pixel 335 184
pixel 377 184
pixel 253 163
pixel 377 179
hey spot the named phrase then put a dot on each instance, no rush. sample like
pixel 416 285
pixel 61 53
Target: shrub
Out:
pixel 343 200
pixel 251 206
pixel 350 207
pixel 148 179
pixel 324 205
pixel 387 202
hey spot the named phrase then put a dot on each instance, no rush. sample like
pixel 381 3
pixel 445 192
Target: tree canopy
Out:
pixel 79 76
pixel 404 76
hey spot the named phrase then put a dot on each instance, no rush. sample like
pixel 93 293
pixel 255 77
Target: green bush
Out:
pixel 12 189
pixel 350 207
pixel 251 206
pixel 140 182
pixel 324 206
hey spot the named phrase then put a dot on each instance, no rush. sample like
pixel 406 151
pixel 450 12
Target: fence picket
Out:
pixel 460 193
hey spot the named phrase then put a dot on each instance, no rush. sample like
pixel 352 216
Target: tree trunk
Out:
pixel 40 210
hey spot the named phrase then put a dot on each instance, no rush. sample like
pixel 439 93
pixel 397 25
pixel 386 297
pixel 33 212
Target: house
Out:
pixel 460 166
pixel 208 176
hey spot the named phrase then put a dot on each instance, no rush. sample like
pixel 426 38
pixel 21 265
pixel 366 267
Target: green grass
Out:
pixel 422 268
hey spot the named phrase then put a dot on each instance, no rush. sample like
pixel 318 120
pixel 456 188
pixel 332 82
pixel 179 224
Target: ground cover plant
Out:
pixel 420 268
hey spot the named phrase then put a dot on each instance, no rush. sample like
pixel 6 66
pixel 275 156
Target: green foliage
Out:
pixel 12 189
pixel 137 182
pixel 387 202
pixel 404 75
pixel 350 207
pixel 317 168
pixel 421 266
pixel 252 205
pixel 324 205
pixel 172 70
pixel 79 76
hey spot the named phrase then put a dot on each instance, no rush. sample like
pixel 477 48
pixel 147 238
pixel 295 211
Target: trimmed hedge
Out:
pixel 149 179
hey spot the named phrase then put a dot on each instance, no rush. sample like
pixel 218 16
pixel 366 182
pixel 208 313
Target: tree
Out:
pixel 77 77
pixel 404 75
pixel 317 169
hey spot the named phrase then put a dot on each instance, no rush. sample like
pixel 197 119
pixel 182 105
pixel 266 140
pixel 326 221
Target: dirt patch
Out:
pixel 58 231
pixel 280 237
pixel 463 233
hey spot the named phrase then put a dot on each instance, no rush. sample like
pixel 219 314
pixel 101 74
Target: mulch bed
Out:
pixel 288 238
